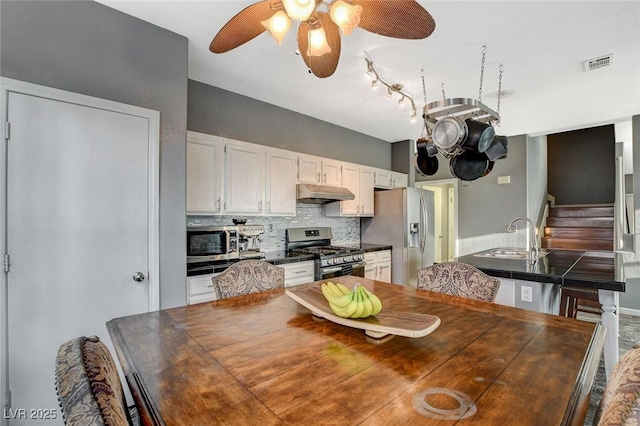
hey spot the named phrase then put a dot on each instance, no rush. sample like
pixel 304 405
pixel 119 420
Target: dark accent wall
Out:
pixel 219 112
pixel 581 166
pixel 88 48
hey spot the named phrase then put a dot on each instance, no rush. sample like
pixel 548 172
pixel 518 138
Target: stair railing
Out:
pixel 623 235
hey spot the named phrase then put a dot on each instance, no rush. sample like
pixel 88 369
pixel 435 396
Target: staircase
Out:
pixel 587 228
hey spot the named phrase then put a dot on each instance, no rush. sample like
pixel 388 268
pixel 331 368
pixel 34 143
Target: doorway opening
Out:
pixel 445 199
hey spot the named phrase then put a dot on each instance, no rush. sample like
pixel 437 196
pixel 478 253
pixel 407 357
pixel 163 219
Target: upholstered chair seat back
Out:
pixel 246 277
pixel 458 279
pixel 88 385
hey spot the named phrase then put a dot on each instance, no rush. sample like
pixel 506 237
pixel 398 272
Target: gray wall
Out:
pixel 631 297
pixel 88 48
pixel 219 112
pixel 484 206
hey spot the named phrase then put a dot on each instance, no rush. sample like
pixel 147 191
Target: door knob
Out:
pixel 138 276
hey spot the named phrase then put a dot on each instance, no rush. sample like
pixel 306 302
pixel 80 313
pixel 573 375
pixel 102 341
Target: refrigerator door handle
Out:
pixel 423 224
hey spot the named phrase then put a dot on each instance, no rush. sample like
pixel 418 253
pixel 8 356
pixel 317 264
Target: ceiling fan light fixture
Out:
pixel 299 10
pixel 318 45
pixel 278 25
pixel 345 15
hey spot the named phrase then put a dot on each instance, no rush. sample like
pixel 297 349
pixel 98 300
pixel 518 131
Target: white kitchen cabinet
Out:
pixel 244 178
pixel 319 171
pixel 205 166
pixel 378 265
pixel 298 273
pixel 280 188
pixel 382 179
pixel 360 181
pixel 399 180
pixel 200 289
pixel 386 179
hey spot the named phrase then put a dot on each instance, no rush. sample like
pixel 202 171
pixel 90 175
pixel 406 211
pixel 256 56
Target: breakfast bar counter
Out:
pixel 601 271
pixel 265 359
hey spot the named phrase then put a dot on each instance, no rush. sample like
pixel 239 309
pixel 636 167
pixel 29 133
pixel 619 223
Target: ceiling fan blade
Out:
pixel 395 18
pixel 325 65
pixel 245 26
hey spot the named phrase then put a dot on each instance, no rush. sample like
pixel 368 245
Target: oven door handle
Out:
pixel 331 270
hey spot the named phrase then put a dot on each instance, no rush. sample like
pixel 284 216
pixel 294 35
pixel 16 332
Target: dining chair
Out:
pixel 88 385
pixel 246 277
pixel 458 279
pixel 620 403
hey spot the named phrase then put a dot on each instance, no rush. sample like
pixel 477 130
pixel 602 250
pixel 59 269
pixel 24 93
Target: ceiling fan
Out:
pixel 320 25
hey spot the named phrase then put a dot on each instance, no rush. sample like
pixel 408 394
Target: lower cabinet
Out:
pixel 298 273
pixel 200 289
pixel 378 265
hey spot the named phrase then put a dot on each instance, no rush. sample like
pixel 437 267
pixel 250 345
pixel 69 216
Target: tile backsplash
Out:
pixel 346 230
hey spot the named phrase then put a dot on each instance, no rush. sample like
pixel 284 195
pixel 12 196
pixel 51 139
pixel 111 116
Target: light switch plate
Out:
pixel 504 179
pixel 526 294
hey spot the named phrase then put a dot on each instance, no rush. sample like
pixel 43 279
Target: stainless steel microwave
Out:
pixel 210 243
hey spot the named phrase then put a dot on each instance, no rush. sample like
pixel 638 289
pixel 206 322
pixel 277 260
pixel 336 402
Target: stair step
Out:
pixel 582 211
pixel 578 232
pixel 581 222
pixel 577 244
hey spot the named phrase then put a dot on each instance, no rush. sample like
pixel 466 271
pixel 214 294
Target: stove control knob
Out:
pixel 331 261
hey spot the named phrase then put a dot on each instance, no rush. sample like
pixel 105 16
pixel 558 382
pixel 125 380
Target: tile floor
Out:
pixel 629 336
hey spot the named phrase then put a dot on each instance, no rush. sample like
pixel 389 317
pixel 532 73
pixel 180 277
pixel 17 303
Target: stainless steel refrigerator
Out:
pixel 403 217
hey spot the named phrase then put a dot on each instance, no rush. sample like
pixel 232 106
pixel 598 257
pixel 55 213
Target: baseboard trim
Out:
pixel 629 311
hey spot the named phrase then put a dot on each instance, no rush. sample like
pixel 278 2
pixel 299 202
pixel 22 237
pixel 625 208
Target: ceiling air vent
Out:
pixel 602 61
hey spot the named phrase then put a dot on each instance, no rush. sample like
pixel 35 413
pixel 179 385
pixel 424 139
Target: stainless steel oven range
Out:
pixel 330 261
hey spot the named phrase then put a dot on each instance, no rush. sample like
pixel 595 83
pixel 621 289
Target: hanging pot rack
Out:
pixel 452 129
pixel 462 108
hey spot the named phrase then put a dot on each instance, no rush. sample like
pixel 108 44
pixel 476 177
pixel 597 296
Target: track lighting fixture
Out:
pixel 391 88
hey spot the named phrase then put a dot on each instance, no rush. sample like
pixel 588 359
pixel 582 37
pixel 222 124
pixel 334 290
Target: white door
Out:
pixel 79 227
pixel 437 221
pixel 281 183
pixel 244 183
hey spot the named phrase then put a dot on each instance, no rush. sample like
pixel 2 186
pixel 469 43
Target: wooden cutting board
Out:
pixel 388 321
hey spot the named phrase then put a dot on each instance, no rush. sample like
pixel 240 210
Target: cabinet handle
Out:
pixel 318 177
pixel 325 177
pixel 260 205
pixel 269 206
pixel 218 203
pixel 391 181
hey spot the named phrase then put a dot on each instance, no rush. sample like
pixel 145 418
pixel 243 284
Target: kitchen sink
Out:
pixel 511 253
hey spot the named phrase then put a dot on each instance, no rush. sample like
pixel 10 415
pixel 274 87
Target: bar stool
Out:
pixel 579 299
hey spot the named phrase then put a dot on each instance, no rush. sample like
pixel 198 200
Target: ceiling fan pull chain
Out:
pixel 484 52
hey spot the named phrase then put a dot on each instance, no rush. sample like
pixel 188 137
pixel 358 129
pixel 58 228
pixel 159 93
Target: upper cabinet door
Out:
pixel 367 177
pixel 399 180
pixel 382 179
pixel 332 173
pixel 244 183
pixel 205 165
pixel 351 181
pixel 309 169
pixel 281 183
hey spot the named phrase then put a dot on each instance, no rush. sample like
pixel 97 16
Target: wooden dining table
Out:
pixel 265 359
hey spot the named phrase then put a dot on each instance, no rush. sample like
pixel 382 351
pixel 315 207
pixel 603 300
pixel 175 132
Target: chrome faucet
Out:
pixel 533 246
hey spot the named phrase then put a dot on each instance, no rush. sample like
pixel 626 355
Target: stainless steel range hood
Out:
pixel 321 194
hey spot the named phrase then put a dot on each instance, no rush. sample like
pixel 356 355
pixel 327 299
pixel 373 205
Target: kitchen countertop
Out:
pixel 563 267
pixel 279 257
pixel 373 247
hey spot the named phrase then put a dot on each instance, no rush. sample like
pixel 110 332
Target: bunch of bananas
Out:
pixel 356 303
